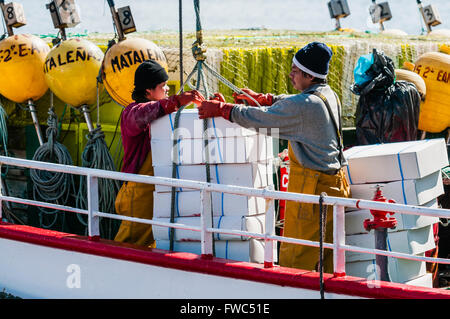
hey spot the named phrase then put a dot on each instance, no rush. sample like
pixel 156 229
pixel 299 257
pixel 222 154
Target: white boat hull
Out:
pixel 37 263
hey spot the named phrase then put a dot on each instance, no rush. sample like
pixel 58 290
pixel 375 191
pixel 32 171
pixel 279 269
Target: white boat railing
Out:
pixel 207 231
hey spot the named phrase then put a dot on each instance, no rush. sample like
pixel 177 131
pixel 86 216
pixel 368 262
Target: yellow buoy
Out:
pixel 71 69
pixel 21 74
pixel 434 68
pixel 410 76
pixel 120 63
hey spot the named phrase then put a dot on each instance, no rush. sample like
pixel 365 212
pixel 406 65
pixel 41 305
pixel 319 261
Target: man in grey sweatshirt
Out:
pixel 310 121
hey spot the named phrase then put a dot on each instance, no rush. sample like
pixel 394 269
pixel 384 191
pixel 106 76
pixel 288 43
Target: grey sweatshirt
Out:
pixel 303 119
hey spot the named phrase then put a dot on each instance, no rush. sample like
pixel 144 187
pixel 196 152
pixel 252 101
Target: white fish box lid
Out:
pixel 395 161
pixel 409 192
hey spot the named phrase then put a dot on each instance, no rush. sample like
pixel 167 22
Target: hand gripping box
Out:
pixel 395 161
pixel 188 203
pixel 252 224
pixel 254 175
pixel 191 127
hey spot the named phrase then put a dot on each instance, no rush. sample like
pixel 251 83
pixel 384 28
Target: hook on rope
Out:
pixel 198 49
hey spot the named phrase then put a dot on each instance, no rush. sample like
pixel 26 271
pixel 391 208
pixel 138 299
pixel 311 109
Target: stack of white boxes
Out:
pixel 237 156
pixel 409 173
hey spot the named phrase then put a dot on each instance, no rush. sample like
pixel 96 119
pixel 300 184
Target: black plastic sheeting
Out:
pixel 387 110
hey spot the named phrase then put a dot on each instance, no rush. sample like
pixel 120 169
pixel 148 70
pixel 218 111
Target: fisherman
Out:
pixel 310 121
pixel 151 101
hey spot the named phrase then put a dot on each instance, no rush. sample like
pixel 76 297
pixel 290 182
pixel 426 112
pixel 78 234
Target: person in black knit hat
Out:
pixel 310 121
pixel 151 102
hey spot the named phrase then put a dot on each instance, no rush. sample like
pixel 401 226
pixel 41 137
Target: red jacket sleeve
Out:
pixel 137 116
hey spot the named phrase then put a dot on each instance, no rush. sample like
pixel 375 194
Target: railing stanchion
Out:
pixel 93 220
pixel 206 222
pixel 270 231
pixel 339 240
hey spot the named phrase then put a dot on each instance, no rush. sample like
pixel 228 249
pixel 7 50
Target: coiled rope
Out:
pixel 96 155
pixel 6 208
pixel 48 186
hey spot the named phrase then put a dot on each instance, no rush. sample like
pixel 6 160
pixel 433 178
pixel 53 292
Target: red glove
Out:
pixel 173 103
pixel 262 99
pixel 214 108
pixel 218 97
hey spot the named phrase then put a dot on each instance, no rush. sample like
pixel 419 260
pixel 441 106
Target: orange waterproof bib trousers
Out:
pixel 136 200
pixel 302 219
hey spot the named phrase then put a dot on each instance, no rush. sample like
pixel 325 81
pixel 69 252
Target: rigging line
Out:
pixel 322 230
pixel 175 161
pixel 180 22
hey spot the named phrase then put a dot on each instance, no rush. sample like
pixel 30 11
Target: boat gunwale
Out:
pixel 277 275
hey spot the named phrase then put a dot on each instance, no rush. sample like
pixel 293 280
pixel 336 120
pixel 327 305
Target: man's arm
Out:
pixel 284 115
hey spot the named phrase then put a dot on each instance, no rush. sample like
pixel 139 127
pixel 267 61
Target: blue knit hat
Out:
pixel 314 59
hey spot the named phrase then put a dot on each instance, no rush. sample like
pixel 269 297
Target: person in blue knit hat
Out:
pixel 311 122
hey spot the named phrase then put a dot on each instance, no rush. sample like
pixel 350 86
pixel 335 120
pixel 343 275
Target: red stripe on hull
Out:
pixel 346 285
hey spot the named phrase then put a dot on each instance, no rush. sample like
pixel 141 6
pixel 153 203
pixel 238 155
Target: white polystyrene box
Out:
pixel 412 241
pixel 190 126
pixel 395 161
pixel 255 175
pixel 400 270
pixel 423 281
pixel 250 250
pixel 409 192
pixel 188 203
pixel 222 150
pixel 354 220
pixel 252 224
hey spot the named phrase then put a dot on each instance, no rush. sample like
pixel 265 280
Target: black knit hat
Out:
pixel 149 74
pixel 314 59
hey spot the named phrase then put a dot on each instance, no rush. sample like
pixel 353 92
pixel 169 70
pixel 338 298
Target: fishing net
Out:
pixel 264 64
